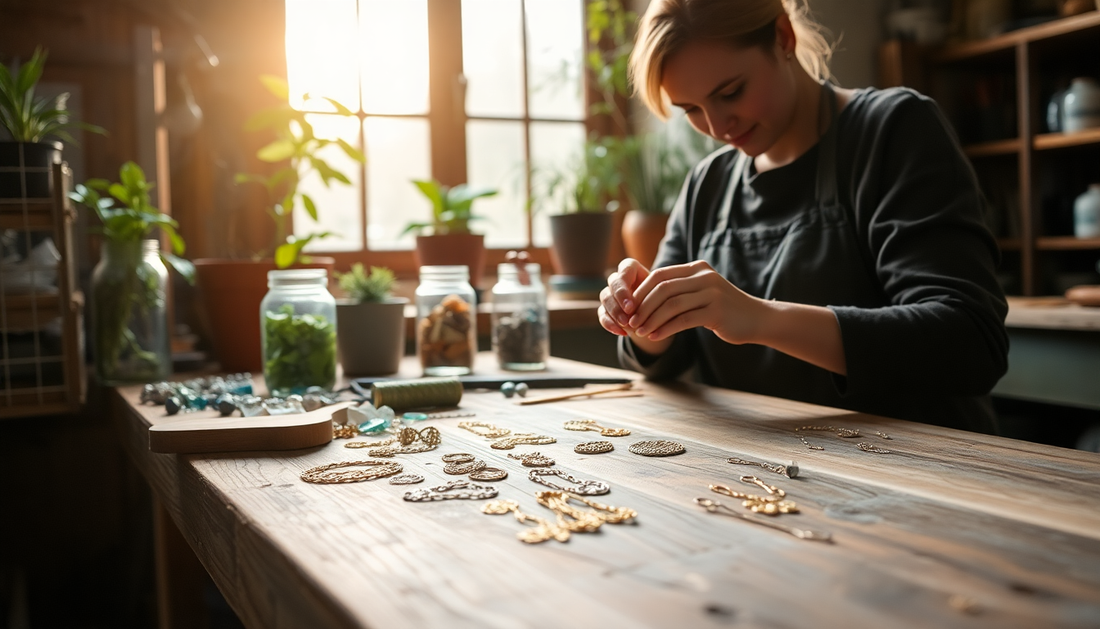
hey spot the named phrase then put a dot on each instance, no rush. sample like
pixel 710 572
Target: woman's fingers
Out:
pixel 617 297
pixel 679 323
pixel 609 324
pixel 657 278
pixel 674 306
pixel 622 283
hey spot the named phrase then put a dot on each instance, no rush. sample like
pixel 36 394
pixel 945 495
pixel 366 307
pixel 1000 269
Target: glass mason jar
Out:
pixel 521 324
pixel 129 313
pixel 298 331
pixel 446 330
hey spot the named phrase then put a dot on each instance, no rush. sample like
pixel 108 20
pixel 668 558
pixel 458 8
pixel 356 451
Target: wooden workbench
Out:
pixel 952 529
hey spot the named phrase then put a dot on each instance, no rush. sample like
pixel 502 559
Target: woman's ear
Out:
pixel 785 39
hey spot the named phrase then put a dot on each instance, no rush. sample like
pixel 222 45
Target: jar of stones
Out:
pixel 521 325
pixel 446 330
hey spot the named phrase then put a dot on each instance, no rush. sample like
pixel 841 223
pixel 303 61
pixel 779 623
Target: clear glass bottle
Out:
pixel 521 324
pixel 446 330
pixel 129 313
pixel 298 331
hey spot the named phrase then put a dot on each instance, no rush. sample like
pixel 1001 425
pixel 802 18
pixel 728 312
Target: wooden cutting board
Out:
pixel 207 432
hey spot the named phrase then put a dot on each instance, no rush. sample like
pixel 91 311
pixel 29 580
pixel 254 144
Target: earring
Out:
pixel 789 56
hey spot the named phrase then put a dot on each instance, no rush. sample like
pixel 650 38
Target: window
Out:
pixel 519 106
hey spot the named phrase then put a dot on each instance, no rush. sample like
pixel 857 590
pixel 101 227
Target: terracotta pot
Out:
pixel 370 336
pixel 642 234
pixel 231 292
pixel 453 249
pixel 36 160
pixel 581 243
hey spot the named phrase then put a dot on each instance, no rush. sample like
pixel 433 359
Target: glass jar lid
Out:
pixel 297 277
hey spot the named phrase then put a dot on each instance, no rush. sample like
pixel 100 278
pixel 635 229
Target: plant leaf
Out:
pixel 277 151
pixel 276 86
pixel 311 209
pixel 184 267
pixel 351 151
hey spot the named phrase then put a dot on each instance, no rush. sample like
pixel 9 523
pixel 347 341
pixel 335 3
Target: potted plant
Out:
pixel 447 239
pixel 370 323
pixel 232 289
pixel 128 313
pixel 25 160
pixel 654 167
pixel 581 232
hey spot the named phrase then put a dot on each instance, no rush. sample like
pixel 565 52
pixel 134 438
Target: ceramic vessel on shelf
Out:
pixel 1086 213
pixel 1081 105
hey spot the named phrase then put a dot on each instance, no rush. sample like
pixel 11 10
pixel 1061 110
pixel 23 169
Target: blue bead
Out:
pixel 521 389
pixel 414 417
pixel 172 405
pixel 508 389
pixel 377 424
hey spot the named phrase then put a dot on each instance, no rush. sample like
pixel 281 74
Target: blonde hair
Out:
pixel 669 24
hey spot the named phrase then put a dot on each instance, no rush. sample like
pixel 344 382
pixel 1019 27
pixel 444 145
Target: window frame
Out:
pixel 447 120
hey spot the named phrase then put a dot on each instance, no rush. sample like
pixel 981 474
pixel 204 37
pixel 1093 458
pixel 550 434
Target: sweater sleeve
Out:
pixel 918 210
pixel 680 356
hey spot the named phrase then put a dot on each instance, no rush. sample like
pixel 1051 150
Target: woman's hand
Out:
pixel 617 299
pixel 677 298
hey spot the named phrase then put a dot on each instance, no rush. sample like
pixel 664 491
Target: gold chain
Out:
pixel 543 529
pixel 532 459
pixel 772 504
pixel 485 429
pixel 323 474
pixel 843 433
pixel 508 443
pixel 590 424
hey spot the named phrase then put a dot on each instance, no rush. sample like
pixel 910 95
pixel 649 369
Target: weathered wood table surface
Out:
pixel 952 529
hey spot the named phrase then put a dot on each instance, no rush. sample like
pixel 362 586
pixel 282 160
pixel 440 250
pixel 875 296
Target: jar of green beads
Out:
pixel 298 330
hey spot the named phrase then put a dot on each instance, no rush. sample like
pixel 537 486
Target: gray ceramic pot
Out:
pixel 371 336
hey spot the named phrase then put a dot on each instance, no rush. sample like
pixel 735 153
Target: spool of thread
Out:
pixel 401 395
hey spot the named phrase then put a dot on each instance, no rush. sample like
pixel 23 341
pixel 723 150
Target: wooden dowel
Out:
pixel 569 396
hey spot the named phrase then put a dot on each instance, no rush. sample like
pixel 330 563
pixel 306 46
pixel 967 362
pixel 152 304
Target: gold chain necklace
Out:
pixel 772 504
pixel 485 429
pixel 843 433
pixel 542 531
pixel 590 424
pixel 507 443
pixel 323 474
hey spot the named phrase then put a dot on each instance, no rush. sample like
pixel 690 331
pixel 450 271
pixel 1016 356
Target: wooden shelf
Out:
pixel 1056 28
pixel 1049 141
pixel 996 147
pixel 1009 244
pixel 1066 243
pixel 39 214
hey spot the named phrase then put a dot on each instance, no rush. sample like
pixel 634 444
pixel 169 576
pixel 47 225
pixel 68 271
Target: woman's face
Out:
pixel 739 96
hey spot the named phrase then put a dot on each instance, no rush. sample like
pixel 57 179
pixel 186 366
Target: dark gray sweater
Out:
pixel 902 258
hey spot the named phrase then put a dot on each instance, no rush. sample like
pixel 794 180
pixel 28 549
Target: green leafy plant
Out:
pixel 299 351
pixel 296 144
pixel 589 183
pixel 655 165
pixel 30 119
pixel 128 217
pixel 452 207
pixel 610 27
pixel 361 287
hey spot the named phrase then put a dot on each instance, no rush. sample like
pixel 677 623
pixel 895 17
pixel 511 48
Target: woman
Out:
pixel 834 252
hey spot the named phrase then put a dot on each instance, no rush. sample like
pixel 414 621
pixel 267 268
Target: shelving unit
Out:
pixel 1017 162
pixel 41 331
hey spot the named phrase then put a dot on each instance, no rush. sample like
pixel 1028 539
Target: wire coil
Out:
pixel 401 395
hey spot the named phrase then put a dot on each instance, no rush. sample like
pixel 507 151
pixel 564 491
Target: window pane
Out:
pixel 555 148
pixel 398 151
pixel 338 204
pixel 394 56
pixel 492 57
pixel 495 157
pixel 555 45
pixel 318 31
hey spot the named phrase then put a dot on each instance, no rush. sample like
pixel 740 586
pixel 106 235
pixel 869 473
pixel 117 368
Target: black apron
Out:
pixel 814 258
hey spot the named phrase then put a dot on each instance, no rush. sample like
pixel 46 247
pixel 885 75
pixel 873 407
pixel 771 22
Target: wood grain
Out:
pixel 1012 527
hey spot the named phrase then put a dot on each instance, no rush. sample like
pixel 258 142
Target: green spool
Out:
pixel 401 395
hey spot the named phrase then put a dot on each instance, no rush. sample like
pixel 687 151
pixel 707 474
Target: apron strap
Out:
pixel 827 195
